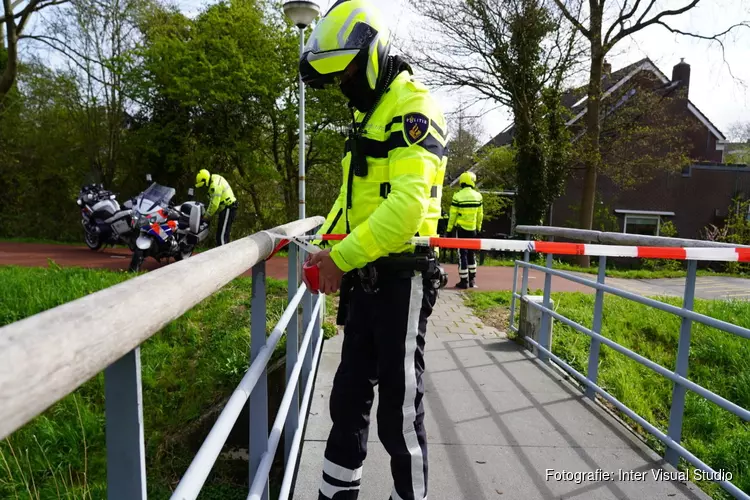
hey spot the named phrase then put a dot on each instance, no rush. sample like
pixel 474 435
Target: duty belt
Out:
pixel 393 267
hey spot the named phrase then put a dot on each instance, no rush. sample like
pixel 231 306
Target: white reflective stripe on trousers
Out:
pixel 224 228
pixel 341 473
pixel 328 490
pixel 408 409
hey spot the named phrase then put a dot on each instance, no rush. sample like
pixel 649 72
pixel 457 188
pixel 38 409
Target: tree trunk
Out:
pixel 11 66
pixel 592 158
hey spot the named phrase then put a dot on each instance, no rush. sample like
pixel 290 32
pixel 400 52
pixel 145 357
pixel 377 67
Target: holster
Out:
pixel 347 285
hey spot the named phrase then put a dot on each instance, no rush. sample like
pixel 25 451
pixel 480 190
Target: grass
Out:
pixel 719 361
pixel 615 272
pixel 188 370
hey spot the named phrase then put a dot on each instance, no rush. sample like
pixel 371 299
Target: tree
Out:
pixel 97 37
pixel 231 77
pixel 12 25
pixel 628 17
pixel 495 167
pixel 513 53
pixel 463 144
pixel 740 132
pixel 41 160
pixel 645 129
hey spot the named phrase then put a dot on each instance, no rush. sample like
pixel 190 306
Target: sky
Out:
pixel 721 90
pixel 723 98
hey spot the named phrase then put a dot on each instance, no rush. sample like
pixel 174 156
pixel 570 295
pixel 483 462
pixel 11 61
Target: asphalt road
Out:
pixel 488 278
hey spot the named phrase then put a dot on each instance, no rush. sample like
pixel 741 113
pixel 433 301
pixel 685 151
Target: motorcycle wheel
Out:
pixel 136 261
pixel 92 239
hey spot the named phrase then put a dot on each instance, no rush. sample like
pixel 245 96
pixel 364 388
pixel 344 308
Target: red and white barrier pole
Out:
pixel 724 254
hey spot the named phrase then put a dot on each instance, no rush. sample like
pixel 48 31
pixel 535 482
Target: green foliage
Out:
pixel 40 161
pixel 737 230
pixel 219 91
pixel 494 205
pixel 669 230
pixel 604 217
pixel 540 139
pixel 495 167
pixel 188 369
pixel 718 361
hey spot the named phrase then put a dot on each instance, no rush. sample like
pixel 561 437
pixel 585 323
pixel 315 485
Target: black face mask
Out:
pixel 358 91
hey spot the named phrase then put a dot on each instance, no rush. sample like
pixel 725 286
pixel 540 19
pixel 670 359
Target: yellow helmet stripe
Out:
pixel 348 25
pixel 332 62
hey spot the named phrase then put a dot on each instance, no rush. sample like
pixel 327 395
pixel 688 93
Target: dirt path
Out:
pixel 38 255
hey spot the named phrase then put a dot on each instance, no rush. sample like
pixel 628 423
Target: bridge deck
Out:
pixel 496 421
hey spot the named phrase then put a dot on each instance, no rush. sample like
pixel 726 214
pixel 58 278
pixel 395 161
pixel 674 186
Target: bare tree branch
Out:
pixel 572 19
pixel 641 24
pixel 717 38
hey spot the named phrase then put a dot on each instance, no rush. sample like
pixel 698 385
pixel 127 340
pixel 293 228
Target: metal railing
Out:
pixel 103 332
pixel 674 450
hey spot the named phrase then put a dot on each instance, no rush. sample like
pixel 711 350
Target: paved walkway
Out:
pixel 706 287
pixel 496 421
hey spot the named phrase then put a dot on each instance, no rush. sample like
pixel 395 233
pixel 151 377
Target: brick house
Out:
pixel 699 195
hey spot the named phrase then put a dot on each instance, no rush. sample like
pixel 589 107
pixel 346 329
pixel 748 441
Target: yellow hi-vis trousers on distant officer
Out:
pixel 466 214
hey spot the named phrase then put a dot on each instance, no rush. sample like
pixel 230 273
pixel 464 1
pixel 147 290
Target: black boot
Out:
pixel 472 281
pixel 463 284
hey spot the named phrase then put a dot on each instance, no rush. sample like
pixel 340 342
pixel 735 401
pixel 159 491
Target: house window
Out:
pixel 648 225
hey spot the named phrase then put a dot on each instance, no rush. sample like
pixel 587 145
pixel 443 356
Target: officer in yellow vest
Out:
pixel 466 214
pixel 393 172
pixel 222 200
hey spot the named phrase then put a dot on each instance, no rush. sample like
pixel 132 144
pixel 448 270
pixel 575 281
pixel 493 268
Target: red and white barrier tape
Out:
pixel 727 254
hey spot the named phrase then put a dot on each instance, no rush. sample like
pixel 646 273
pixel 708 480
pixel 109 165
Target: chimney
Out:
pixel 606 68
pixel 681 73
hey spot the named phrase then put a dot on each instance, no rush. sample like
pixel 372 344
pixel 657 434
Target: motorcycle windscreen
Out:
pixel 156 196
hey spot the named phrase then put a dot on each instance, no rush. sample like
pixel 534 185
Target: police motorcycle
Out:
pixel 165 230
pixel 104 221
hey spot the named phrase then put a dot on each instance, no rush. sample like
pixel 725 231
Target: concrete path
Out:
pixel 496 422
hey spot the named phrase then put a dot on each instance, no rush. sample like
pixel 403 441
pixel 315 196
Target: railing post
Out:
pixel 512 321
pixel 126 455
pixel 259 397
pixel 292 352
pixel 546 334
pixel 683 355
pixel 593 370
pixel 525 282
pixel 307 355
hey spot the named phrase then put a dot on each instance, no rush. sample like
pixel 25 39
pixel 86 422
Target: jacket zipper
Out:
pixel 335 221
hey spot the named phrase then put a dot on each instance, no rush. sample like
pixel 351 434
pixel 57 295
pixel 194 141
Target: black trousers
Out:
pixel 384 339
pixel 225 220
pixel 467 264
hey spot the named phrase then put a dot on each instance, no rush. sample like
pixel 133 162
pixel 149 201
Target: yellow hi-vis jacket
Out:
pixel 466 210
pixel 221 195
pixel 399 197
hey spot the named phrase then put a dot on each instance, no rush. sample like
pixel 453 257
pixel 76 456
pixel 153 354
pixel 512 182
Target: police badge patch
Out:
pixel 415 127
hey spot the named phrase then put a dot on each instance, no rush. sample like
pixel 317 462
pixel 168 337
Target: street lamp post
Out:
pixel 301 13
